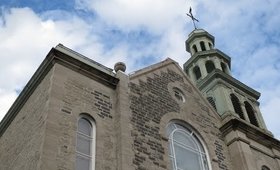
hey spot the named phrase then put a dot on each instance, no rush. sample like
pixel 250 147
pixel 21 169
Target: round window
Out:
pixel 178 94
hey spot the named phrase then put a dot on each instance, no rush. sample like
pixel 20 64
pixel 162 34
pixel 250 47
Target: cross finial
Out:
pixel 192 17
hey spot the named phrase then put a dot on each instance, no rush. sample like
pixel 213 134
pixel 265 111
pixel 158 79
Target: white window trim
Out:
pixel 93 140
pixel 185 130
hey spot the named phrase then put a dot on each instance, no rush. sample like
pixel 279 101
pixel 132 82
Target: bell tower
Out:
pixel 209 69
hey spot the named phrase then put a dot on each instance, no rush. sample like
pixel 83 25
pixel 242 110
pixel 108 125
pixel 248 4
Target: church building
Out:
pixel 76 114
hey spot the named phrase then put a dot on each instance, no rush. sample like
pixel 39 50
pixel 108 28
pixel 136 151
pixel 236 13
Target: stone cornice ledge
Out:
pixel 251 132
pixel 204 54
pixel 218 74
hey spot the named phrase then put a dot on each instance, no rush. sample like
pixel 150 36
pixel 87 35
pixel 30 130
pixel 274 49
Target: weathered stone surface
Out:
pixel 149 102
pixel 21 144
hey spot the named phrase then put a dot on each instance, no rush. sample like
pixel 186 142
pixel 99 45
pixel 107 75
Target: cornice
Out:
pixel 252 132
pixel 227 79
pixel 207 53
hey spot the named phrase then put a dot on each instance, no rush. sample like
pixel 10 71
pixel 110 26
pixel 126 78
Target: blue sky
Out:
pixel 140 33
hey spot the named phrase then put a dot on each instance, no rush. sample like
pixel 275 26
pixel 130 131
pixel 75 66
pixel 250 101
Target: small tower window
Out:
pixel 202 45
pixel 212 102
pixel 236 105
pixel 224 67
pixel 251 114
pixel 197 72
pixel 194 48
pixel 209 66
pixel 210 45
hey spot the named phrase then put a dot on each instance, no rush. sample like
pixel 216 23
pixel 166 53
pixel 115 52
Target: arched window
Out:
pixel 265 167
pixel 212 102
pixel 224 67
pixel 209 66
pixel 236 105
pixel 251 114
pixel 194 48
pixel 202 45
pixel 210 45
pixel 185 149
pixel 85 147
pixel 197 72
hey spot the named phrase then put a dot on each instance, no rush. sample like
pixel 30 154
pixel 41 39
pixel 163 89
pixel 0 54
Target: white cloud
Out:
pixel 25 41
pixel 6 99
pixel 270 112
pixel 156 15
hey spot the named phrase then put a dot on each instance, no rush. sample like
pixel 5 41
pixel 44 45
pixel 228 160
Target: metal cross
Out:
pixel 192 17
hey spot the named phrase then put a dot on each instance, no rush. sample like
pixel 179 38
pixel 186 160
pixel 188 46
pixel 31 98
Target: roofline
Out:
pixel 84 59
pixel 26 92
pixel 69 58
pixel 151 68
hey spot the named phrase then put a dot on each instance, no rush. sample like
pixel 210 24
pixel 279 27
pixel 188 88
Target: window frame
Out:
pixel 210 66
pixel 202 45
pixel 237 106
pixel 194 47
pixel 178 94
pixel 251 114
pixel 224 67
pixel 194 137
pixel 197 72
pixel 92 138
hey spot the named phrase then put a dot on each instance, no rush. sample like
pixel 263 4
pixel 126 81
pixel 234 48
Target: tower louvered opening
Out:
pixel 212 102
pixel 236 105
pixel 251 114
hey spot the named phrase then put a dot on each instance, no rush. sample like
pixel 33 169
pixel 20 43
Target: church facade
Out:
pixel 76 114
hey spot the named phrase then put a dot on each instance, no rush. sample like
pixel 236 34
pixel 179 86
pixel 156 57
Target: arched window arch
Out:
pixel 209 66
pixel 265 167
pixel 197 72
pixel 251 114
pixel 236 105
pixel 185 149
pixel 85 146
pixel 210 45
pixel 224 67
pixel 202 45
pixel 212 102
pixel 194 48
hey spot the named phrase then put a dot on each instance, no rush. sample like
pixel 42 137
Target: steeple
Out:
pixel 209 69
pixel 204 56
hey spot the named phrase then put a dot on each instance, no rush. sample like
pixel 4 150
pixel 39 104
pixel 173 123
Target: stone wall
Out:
pixel 151 100
pixel 73 93
pixel 265 158
pixel 21 143
pixel 153 106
